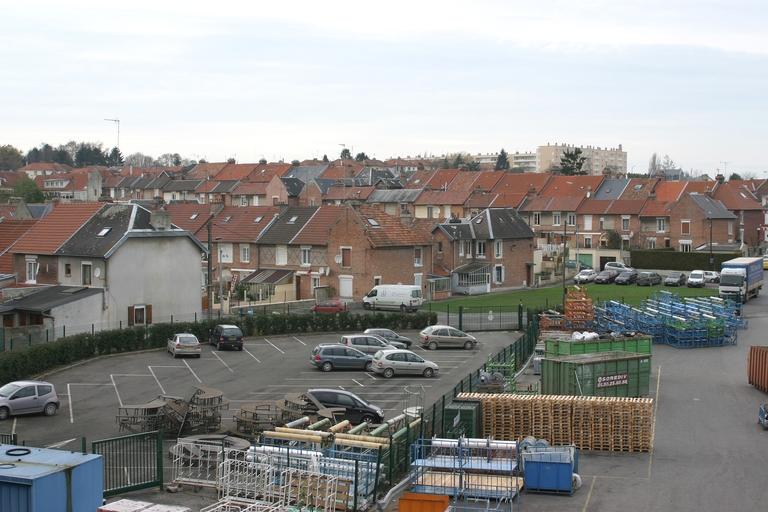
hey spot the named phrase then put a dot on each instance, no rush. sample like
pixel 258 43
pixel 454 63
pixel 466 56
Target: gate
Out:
pixel 8 439
pixel 491 318
pixel 131 462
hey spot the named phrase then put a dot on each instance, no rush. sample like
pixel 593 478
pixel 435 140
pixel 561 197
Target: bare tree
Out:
pixel 139 160
pixel 748 175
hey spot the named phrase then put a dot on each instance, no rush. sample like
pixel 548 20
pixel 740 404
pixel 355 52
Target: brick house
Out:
pixel 690 220
pixel 368 247
pixel 748 209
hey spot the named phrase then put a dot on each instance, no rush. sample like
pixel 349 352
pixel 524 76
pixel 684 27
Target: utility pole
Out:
pixel 565 237
pixel 725 168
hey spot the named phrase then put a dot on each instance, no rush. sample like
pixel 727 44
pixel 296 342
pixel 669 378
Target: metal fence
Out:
pixel 8 439
pixel 131 462
pixel 491 318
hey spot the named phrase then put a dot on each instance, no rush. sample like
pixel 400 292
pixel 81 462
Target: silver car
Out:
pixel 402 362
pixel 436 336
pixel 28 397
pixel 368 343
pixel 184 344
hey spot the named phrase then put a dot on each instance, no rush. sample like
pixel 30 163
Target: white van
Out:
pixel 401 297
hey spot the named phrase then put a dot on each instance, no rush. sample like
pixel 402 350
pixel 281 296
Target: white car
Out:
pixel 711 276
pixel 585 276
pixel 184 344
pixel 617 265
pixel 697 279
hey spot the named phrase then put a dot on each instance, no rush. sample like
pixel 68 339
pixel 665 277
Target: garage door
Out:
pixel 345 287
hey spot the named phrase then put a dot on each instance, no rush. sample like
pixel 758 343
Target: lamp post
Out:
pixel 565 237
pixel 711 260
pixel 118 130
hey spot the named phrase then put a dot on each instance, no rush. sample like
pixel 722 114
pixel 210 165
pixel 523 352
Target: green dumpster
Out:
pixel 613 374
pixel 568 347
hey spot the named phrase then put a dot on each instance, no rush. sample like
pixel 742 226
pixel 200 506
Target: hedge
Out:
pixel 666 259
pixel 28 361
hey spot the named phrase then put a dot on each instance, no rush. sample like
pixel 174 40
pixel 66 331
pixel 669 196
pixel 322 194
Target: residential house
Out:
pixel 655 222
pixel 493 249
pixel 44 169
pixel 297 242
pixel 698 219
pixel 184 190
pixel 249 194
pixel 210 192
pixel 11 230
pixel 745 205
pixel 284 191
pixel 397 203
pixel 367 247
pixel 436 204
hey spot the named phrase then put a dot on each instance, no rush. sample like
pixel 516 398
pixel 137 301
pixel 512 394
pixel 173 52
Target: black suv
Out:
pixel 358 410
pixel 226 336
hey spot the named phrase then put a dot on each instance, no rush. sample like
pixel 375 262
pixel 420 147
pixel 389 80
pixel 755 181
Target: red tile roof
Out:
pixel 736 198
pixel 488 179
pixel 205 170
pixel 522 182
pixel 334 173
pixel 48 167
pixel 594 206
pixel 438 197
pixel 441 178
pixel 572 186
pixel 338 192
pixel 699 187
pixel 552 204
pixel 390 231
pixel 235 172
pixel 11 230
pixel 191 216
pixel 265 172
pixel 316 230
pixel 670 190
pixel 251 189
pixel 509 200
pixel 657 208
pixel 646 186
pixel 626 207
pixel 55 228
pixel 419 179
pixel 464 181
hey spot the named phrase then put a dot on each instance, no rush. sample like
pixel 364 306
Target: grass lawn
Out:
pixel 549 297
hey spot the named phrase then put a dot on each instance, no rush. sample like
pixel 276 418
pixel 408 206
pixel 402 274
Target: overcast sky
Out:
pixel 294 80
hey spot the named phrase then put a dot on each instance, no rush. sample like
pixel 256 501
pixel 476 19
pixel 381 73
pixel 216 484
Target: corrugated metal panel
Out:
pixel 411 502
pixel 15 497
pixel 605 374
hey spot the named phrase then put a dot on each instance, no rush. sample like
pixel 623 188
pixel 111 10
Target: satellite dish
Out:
pixel 337 258
pixel 321 271
pixel 97 271
pixel 437 211
pixel 327 271
pixel 631 233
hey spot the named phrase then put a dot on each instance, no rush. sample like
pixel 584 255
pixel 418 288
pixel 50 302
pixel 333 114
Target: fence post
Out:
pixel 520 316
pixel 29 339
pixel 461 317
pixel 448 314
pixel 85 448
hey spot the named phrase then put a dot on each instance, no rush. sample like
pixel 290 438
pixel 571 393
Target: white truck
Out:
pixel 741 279
pixel 402 297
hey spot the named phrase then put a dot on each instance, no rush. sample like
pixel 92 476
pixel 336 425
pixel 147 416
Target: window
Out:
pixel 140 315
pixel 245 253
pixel 587 242
pixel 86 274
pixel 685 246
pixel 440 247
pixel 311 201
pixel 588 222
pixel 417 259
pixel 461 248
pixel 537 218
pixel 498 274
pixel 404 209
pixel 346 257
pixel 468 248
pixel 67 270
pixel 306 255
pixel 498 245
pixel 651 243
pixel 556 219
pixel 741 217
pixel 602 223
pixel 571 219
pixel 225 253
pixel 661 225
pixel 376 280
pixel 730 227
pixel 417 279
pixel 625 223
pixel 685 227
pixel 281 258
pixel 430 212
pixel 243 200
pixel 315 282
pixel 480 249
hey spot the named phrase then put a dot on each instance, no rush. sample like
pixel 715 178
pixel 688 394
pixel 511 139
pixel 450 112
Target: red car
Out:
pixel 606 276
pixel 330 306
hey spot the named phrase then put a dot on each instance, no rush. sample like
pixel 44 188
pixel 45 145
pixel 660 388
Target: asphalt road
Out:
pixel 708 453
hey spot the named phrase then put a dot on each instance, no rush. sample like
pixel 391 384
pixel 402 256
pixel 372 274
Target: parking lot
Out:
pixel 708 453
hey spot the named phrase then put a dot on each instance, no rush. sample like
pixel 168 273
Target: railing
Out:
pixel 131 462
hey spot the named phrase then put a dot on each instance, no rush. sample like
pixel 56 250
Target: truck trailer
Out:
pixel 741 278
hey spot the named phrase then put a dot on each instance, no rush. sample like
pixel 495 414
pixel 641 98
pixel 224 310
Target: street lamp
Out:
pixel 711 260
pixel 118 130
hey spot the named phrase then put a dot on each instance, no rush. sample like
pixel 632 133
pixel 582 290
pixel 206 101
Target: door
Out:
pixel 298 287
pixel 345 286
pixel 25 401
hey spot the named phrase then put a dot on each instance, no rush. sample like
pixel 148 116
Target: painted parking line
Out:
pixel 297 339
pixel 222 362
pixel 193 372
pixel 156 380
pixel 60 443
pixel 274 346
pixel 253 356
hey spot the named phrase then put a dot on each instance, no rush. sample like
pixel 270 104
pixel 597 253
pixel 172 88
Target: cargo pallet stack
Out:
pixel 588 423
pixel 579 310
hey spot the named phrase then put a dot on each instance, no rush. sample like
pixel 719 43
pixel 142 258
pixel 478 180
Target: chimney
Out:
pixel 708 192
pixel 160 220
pixel 532 191
pixel 652 196
pixel 720 178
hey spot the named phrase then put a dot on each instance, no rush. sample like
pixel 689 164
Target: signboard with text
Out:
pixel 613 380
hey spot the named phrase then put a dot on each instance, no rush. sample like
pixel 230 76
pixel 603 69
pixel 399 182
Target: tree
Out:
pixel 176 159
pixel 140 160
pixel 346 154
pixel 657 164
pixel 231 160
pixel 572 162
pixel 473 165
pixel 28 190
pixel 11 158
pixel 614 240
pixel 325 159
pixel 734 176
pixel 89 154
pixel 361 157
pixel 748 175
pixel 502 161
pixel 115 158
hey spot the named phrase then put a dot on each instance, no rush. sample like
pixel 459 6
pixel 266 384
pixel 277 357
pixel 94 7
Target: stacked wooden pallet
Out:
pixel 589 423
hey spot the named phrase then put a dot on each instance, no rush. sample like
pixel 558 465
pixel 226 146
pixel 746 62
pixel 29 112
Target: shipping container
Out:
pixel 44 480
pixel 757 367
pixel 609 374
pixel 563 347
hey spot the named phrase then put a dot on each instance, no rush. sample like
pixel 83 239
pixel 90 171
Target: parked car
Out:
pixel 226 336
pixel 648 279
pixel 711 276
pixel 606 276
pixel 368 343
pixel 330 306
pixel 617 265
pixel 696 279
pixel 436 336
pixel 184 344
pixel 626 277
pixel 585 276
pixel 390 335
pixel 358 410
pixel 28 397
pixel 402 362
pixel 675 279
pixel 332 356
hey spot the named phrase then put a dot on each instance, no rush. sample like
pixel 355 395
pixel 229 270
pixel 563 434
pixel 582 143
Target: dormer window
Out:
pixel 293 219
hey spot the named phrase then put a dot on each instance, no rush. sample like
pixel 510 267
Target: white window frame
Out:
pixel 281 255
pixel 685 246
pixel 587 242
pixel 682 223
pixel 243 200
pixel 651 243
pixel 245 253
pixel 587 222
pixel 625 219
pixel 480 249
pixel 468 249
pixel 32 269
pixel 86 270
pixel 418 256
pixel 602 223
pixel 661 224
pixel 537 218
pixel 496 269
pixel 306 255
pixel 741 217
pixel 315 282
pixel 498 247
pixel 730 227
pixel 418 280
pixel 430 212
pixel 571 219
pixel 556 218
pixel 461 247
pixel 376 280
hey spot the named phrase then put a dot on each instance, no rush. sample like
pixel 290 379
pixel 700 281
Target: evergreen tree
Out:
pixel 115 158
pixel 502 162
pixel 571 162
pixel 28 190
pixel 346 154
